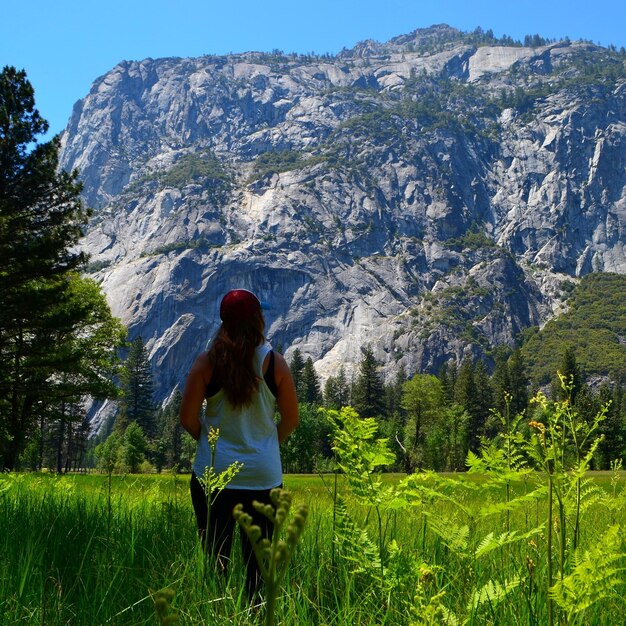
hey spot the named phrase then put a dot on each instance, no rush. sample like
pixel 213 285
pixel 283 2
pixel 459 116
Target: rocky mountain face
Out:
pixel 431 196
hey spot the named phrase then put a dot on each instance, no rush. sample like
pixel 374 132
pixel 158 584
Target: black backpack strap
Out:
pixel 269 377
pixel 213 387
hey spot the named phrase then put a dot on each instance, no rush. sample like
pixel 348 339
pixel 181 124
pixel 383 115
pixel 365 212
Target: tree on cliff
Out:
pixel 41 322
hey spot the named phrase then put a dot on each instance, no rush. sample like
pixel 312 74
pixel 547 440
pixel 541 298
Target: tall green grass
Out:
pixel 76 550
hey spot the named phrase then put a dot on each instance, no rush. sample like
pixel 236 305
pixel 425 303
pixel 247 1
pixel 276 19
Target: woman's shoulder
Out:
pixel 202 366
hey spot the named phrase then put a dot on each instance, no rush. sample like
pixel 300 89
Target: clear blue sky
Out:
pixel 64 45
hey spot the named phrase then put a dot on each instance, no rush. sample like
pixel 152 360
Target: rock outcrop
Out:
pixel 429 196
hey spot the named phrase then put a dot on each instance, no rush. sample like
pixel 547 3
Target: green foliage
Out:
pixel 137 383
pixel 296 365
pixel 107 452
pixel 201 243
pixel 51 320
pixel 368 393
pixel 151 543
pixel 282 161
pixel 309 389
pixel 133 448
pixel 473 239
pixel 202 168
pixel 337 390
pixel 212 482
pixel 172 433
pixel 593 327
pixel 422 398
pixel 353 544
pixel 307 448
pixel 359 453
pixel 598 574
pixel 273 556
pixel 558 430
pixel 96 266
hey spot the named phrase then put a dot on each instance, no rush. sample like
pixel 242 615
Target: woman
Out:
pixel 242 381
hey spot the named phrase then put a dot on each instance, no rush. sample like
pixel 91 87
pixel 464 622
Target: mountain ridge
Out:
pixel 431 201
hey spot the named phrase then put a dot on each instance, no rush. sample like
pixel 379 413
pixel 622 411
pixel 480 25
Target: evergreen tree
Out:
pixel 309 388
pixel 501 380
pixel 308 444
pixel 41 221
pixel 612 447
pixel 368 395
pixel 171 432
pixel 87 338
pixel 137 388
pixel 466 395
pixel 484 399
pixel 519 383
pixel 572 375
pixel 296 365
pixel 337 391
pixel 393 397
pixel 448 375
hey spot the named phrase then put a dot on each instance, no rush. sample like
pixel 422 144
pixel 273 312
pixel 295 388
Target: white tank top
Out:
pixel 247 435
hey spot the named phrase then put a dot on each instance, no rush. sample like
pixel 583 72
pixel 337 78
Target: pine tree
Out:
pixel 572 375
pixel 296 365
pixel 484 398
pixel 501 380
pixel 41 221
pixel 612 428
pixel 393 397
pixel 519 383
pixel 309 388
pixel 466 395
pixel 337 391
pixel 368 395
pixel 448 375
pixel 171 432
pixel 137 388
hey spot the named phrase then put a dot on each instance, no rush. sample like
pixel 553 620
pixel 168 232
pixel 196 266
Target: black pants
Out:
pixel 218 530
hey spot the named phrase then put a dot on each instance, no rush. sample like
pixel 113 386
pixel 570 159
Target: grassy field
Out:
pixel 89 550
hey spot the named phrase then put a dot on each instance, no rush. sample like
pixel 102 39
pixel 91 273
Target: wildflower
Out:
pixel 213 435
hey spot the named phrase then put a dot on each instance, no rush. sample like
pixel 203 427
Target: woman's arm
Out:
pixel 286 398
pixel 193 395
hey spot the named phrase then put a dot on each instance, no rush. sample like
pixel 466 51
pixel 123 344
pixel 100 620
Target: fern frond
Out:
pixel 427 487
pixel 492 542
pixel 453 536
pixel 595 576
pixel 491 593
pixel 353 543
pixel 514 504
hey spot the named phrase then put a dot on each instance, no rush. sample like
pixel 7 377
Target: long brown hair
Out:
pixel 231 355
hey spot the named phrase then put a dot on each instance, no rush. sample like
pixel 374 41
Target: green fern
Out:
pixel 492 593
pixel 454 536
pixel 595 576
pixel 354 544
pixel 492 542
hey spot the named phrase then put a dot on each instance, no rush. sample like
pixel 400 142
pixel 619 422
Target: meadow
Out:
pixel 98 549
pixel 527 535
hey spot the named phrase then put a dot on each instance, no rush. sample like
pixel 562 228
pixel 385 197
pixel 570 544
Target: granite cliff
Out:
pixel 431 196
